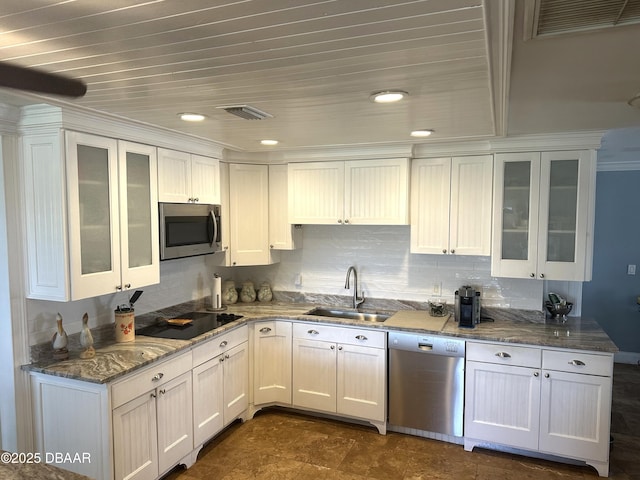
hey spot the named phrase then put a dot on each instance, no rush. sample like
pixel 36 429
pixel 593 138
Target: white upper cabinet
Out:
pixel 451 205
pixel 187 178
pixel 282 235
pixel 103 236
pixel 365 192
pixel 249 215
pixel 543 215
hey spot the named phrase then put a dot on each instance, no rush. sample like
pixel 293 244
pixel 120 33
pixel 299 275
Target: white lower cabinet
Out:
pixel 152 430
pixel 220 383
pixel 549 401
pixel 340 370
pixel 272 363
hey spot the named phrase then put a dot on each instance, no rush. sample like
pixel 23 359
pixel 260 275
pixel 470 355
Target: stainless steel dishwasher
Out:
pixel 426 383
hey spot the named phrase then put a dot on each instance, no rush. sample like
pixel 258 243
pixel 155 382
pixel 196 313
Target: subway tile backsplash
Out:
pixel 386 270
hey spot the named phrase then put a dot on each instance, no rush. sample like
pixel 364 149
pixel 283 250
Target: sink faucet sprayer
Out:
pixel 356 301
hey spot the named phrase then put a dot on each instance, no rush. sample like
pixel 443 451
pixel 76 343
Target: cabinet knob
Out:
pixel 340 347
pixel 546 375
pixel 333 347
pixel 265 330
pixel 577 363
pixel 221 359
pixel 361 337
pixel 532 275
pixel 118 287
pixel 196 200
pixel 157 377
pixel 226 356
pixel 233 263
pixel 223 344
pixel 503 355
pixel 339 221
pixel 542 275
pixel 313 332
pixel 453 251
pixel 128 285
pixel 163 391
pixel 153 395
pixel 270 246
pixel 535 374
pixel 444 250
pixel 346 220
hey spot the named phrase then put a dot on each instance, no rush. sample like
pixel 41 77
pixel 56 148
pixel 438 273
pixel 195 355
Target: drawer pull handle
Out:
pixel 313 332
pixel 223 344
pixel 361 337
pixel 157 377
pixel 577 363
pixel 503 355
pixel 265 330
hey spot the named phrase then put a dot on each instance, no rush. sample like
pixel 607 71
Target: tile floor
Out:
pixel 278 444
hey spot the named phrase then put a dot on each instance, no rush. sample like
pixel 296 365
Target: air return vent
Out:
pixel 554 17
pixel 247 112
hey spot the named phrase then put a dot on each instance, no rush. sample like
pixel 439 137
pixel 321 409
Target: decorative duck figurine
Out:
pixel 59 341
pixel 86 339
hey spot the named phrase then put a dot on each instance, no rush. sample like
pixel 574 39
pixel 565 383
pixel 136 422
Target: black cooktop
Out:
pixel 202 323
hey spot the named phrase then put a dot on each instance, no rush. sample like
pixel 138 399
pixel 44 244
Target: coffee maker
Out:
pixel 467 307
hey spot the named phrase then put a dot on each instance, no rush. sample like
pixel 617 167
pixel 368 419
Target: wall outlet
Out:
pixel 437 288
pixel 631 269
pixel 297 281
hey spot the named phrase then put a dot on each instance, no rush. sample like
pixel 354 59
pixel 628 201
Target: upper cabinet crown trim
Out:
pixel 41 117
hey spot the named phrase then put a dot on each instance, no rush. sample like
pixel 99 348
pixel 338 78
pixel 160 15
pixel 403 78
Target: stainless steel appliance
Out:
pixel 467 307
pixel 188 229
pixel 426 383
pixel 201 322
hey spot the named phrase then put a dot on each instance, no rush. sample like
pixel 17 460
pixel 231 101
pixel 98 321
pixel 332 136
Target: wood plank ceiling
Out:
pixel 312 64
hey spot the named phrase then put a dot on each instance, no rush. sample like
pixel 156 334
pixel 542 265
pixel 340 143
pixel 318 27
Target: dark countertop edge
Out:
pixel 467 334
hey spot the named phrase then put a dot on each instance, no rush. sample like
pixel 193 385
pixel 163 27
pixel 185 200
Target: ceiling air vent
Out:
pixel 247 112
pixel 554 17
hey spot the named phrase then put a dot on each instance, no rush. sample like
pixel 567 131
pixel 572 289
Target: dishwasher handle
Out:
pixel 425 347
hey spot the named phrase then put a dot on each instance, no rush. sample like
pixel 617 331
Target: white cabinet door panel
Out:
pixel 316 193
pixel 314 375
pixel 205 180
pixel 236 382
pixel 207 400
pixel 361 382
pixel 174 176
pixel 272 363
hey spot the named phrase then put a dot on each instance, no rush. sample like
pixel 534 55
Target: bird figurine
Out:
pixel 59 341
pixel 86 339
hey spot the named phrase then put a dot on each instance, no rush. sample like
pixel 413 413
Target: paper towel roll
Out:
pixel 216 291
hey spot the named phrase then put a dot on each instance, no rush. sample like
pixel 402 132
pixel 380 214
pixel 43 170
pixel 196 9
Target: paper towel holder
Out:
pixel 211 307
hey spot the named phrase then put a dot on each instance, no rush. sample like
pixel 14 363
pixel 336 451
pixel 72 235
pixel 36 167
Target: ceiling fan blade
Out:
pixel 34 80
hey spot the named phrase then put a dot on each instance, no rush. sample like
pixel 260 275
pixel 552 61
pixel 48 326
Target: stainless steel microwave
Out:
pixel 188 229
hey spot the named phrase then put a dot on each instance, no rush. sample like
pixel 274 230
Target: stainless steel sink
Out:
pixel 350 314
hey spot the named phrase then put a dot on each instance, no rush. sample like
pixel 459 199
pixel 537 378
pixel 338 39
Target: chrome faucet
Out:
pixel 356 301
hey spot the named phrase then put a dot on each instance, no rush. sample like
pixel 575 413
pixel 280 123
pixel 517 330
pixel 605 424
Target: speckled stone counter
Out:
pixel 113 360
pixel 34 471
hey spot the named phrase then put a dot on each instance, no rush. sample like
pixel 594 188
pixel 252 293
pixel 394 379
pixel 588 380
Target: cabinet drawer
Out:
pixel 151 377
pixel 504 354
pixel 350 336
pixel 218 344
pixel 272 328
pixel 578 362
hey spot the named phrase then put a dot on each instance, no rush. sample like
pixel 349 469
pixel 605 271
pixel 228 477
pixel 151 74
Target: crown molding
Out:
pixel 319 154
pixel 43 117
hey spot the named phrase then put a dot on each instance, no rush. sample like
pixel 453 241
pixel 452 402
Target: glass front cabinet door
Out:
pixel 543 215
pixel 112 215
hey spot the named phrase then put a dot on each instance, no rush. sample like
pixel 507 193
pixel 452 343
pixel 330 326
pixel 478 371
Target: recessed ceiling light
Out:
pixel 269 142
pixel 425 132
pixel 388 96
pixel 192 117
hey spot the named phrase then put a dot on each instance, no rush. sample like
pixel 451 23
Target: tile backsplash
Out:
pixel 386 270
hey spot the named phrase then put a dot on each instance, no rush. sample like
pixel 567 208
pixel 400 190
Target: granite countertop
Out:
pixel 114 360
